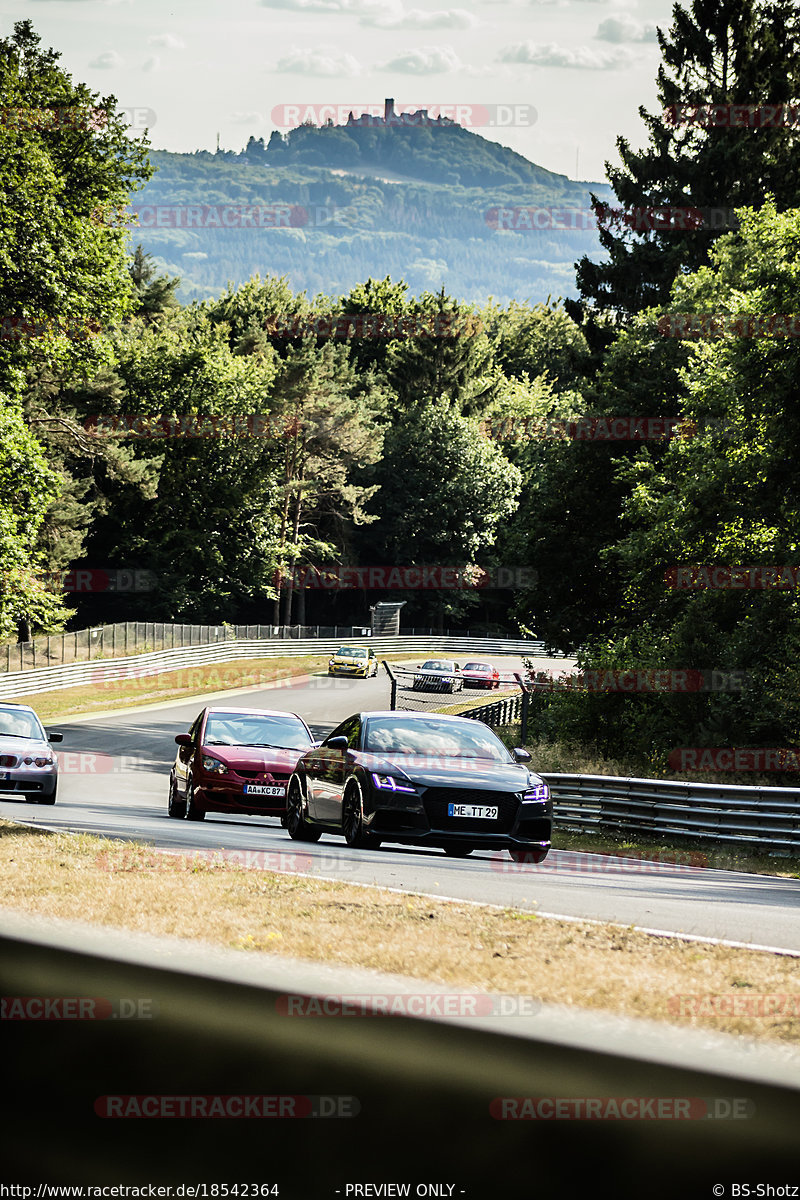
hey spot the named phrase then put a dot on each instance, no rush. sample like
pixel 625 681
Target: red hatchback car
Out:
pixel 236 760
pixel 480 675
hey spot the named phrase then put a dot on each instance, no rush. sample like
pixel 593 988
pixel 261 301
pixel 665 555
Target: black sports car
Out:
pixel 421 778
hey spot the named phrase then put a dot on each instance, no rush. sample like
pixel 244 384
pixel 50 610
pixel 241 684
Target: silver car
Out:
pixel 28 766
pixel 438 675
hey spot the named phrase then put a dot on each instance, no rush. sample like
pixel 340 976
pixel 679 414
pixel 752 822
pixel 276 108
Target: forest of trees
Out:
pixel 433 229
pixel 460 435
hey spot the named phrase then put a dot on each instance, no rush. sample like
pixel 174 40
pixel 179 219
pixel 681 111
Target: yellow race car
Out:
pixel 354 660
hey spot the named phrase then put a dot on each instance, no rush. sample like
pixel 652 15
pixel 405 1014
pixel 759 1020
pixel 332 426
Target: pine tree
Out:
pixel 154 294
pixel 447 355
pixel 717 52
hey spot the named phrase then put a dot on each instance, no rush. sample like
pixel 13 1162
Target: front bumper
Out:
pixel 433 683
pixel 228 796
pixel 39 782
pixel 400 818
pixel 342 669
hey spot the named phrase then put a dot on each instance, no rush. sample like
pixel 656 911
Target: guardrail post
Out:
pixel 393 677
pixel 526 699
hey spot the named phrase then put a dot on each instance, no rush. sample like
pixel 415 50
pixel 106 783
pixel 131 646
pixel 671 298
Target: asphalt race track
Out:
pixel 113 781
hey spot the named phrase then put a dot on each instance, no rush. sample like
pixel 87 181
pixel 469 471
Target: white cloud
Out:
pixel 304 5
pixel 109 60
pixel 318 61
pixel 425 60
pixel 417 18
pixel 622 28
pixel 247 118
pixel 151 64
pixel 581 58
pixel 383 14
pixel 359 8
pixel 167 41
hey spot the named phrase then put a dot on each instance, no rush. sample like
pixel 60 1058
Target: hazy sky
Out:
pixel 225 66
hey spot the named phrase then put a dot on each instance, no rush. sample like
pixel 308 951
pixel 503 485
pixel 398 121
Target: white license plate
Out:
pixel 263 789
pixel 487 811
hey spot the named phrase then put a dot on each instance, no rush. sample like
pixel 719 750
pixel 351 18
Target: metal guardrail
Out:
pixel 140 637
pixel 102 670
pixel 763 817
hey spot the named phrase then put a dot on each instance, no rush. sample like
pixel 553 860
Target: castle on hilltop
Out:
pixel 390 117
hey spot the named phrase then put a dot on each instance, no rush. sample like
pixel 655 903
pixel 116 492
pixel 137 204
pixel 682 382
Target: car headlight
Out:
pixel 539 792
pixel 388 783
pixel 42 760
pixel 214 765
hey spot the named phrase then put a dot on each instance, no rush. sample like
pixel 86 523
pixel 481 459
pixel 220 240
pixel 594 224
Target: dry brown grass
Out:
pixel 578 964
pixel 172 685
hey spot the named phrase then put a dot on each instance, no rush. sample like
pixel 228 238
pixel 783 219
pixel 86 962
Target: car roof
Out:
pixel 423 717
pixel 255 712
pixel 13 704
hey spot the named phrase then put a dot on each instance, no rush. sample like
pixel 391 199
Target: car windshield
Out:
pixel 284 732
pixel 482 667
pixel 441 739
pixel 350 652
pixel 17 723
pixel 438 664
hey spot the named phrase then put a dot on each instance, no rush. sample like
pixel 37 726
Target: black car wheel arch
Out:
pixel 296 825
pixel 353 829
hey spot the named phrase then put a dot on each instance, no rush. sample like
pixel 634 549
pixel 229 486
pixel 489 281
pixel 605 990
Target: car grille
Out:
pixel 8 760
pixel 436 800
pixel 433 683
pixel 275 776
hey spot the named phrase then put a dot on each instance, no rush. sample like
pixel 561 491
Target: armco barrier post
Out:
pixel 526 699
pixel 393 677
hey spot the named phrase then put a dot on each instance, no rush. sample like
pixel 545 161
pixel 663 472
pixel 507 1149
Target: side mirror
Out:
pixel 183 739
pixel 337 743
pixel 54 737
pixel 521 755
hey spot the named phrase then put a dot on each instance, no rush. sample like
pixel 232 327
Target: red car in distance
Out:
pixel 236 760
pixel 480 674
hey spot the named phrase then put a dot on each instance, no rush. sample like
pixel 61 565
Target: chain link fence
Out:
pixel 141 637
pixel 444 689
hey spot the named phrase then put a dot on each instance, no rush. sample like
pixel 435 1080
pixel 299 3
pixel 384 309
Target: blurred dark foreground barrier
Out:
pixel 481 1107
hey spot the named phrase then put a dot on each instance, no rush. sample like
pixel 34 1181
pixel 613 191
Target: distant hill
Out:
pixel 328 207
